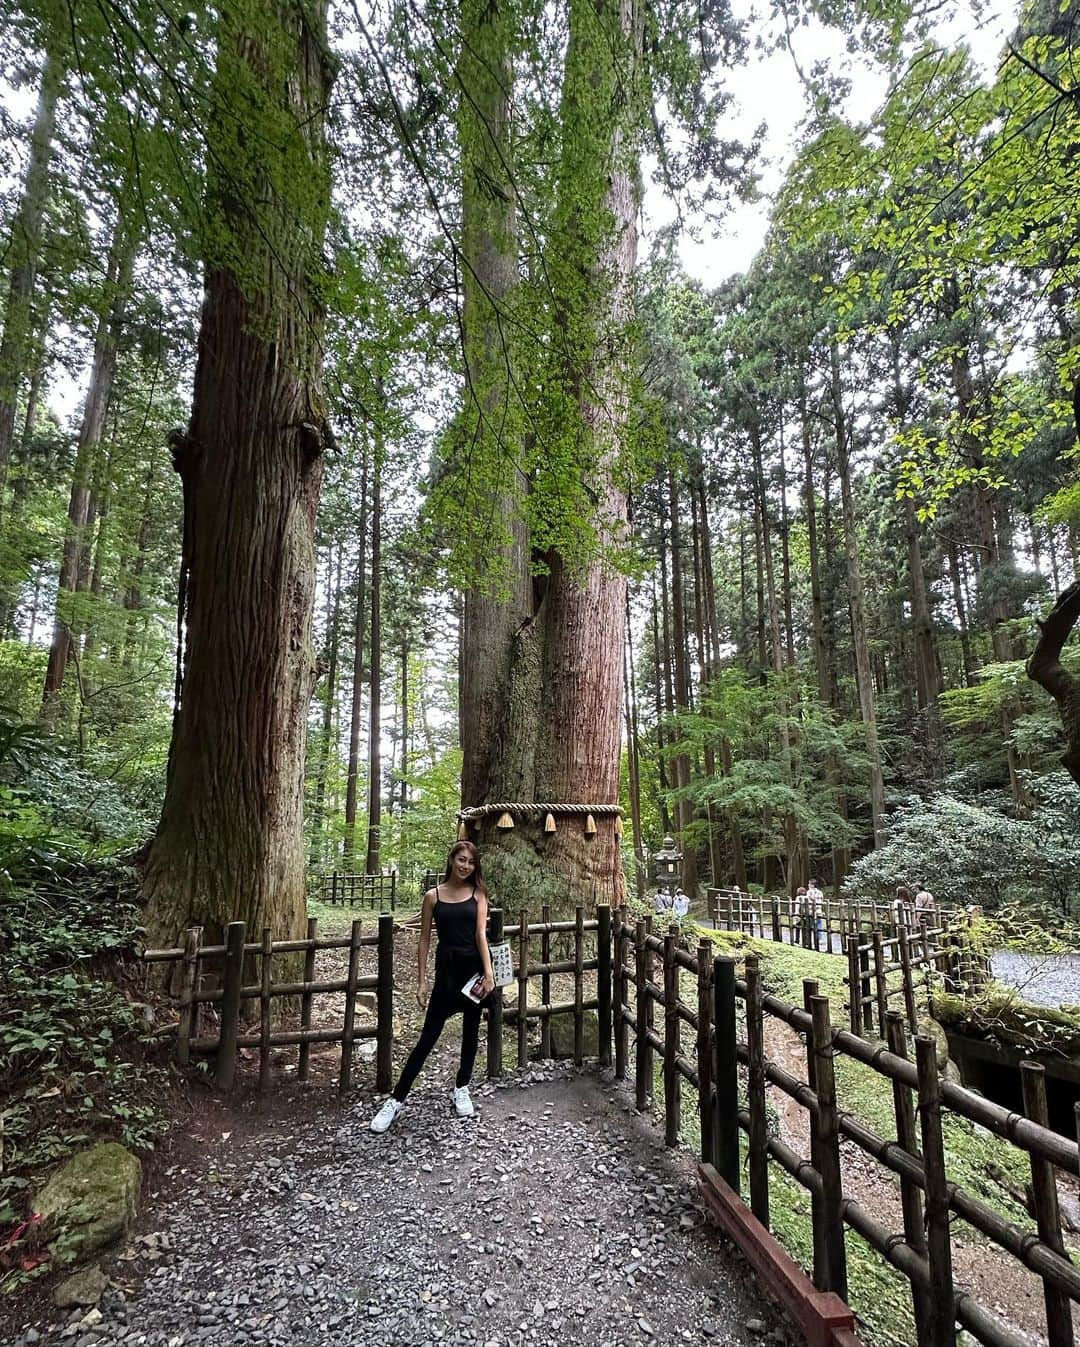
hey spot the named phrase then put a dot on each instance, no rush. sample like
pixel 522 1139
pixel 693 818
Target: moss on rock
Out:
pixel 90 1202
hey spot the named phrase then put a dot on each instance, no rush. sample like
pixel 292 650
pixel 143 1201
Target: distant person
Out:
pixel 815 906
pixel 680 904
pixel 903 909
pixel 664 901
pixel 925 907
pixel 458 906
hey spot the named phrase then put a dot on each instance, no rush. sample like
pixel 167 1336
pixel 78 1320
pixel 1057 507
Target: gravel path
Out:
pixel 555 1217
pixel 1043 979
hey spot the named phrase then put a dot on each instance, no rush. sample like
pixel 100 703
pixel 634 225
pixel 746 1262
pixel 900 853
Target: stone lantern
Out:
pixel 667 865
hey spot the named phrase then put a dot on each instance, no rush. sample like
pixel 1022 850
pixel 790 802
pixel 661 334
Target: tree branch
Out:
pixel 1045 668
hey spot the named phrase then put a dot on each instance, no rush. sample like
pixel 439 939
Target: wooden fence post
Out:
pixel 705 1052
pixel 307 998
pixel 817 1209
pixel 622 1029
pixel 755 1087
pixel 725 1072
pixel 384 1005
pixel 909 981
pixel 348 1029
pixel 1059 1330
pixel 854 990
pixel 776 919
pixel 672 1090
pixel 579 985
pixel 828 1136
pixel 642 1046
pixel 545 981
pixel 523 991
pixel 264 1007
pixel 880 982
pixel 942 1326
pixel 910 1192
pixel 232 980
pixel 603 980
pixel 189 1007
pixel 495 1011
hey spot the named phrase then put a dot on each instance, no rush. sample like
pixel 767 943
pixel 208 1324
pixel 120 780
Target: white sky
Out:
pixel 767 89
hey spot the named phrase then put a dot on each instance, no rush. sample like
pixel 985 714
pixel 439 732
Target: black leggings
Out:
pixel 447 998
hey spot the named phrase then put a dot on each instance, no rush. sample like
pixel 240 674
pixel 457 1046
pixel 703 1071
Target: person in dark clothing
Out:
pixel 459 908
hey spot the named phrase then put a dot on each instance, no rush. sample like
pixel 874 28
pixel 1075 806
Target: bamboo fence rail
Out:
pixel 929 1199
pixel 777 917
pixel 345 889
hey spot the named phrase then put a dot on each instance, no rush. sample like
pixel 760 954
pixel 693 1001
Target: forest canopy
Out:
pixel 364 455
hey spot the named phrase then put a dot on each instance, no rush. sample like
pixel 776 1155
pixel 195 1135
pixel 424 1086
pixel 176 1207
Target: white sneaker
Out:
pixel 386 1115
pixel 463 1105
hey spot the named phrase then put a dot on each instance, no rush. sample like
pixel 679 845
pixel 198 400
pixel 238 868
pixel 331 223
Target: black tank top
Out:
pixel 456 924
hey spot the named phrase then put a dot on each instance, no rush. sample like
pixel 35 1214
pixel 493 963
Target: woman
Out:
pixel 459 908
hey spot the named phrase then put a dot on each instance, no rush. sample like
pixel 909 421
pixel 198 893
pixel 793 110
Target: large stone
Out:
pixel 562 1035
pixel 85 1287
pixel 928 1025
pixel 90 1202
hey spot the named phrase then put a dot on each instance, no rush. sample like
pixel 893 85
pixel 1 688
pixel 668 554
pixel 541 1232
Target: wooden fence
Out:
pixel 345 889
pixel 777 917
pixel 700 1046
pixel 224 966
pixel 909 968
pixel 711 1064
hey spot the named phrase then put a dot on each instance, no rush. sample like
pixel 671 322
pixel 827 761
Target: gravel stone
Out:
pixel 551 1217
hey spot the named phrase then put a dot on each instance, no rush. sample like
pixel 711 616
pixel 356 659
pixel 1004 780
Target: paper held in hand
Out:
pixel 474 988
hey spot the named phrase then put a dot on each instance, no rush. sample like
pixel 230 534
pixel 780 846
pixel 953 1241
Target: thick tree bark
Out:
pixel 230 844
pixel 578 623
pixel 25 247
pixel 499 666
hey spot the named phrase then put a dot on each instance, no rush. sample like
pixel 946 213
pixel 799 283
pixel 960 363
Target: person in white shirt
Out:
pixel 815 907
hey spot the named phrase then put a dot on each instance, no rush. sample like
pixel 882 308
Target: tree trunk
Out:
pixel 684 810
pixel 580 616
pixel 373 860
pixel 499 667
pixel 356 713
pixel 230 844
pixel 633 759
pixel 352 772
pixel 329 699
pixel 658 686
pixel 25 247
pixel 858 607
pixel 404 789
pixel 95 409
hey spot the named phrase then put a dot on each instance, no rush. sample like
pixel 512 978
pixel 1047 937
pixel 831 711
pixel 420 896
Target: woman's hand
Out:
pixel 489 984
pixel 422 993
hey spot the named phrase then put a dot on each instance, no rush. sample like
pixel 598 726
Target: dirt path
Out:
pixel 555 1216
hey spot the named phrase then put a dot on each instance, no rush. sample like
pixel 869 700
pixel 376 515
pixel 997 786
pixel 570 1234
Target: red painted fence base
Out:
pixel 825 1320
